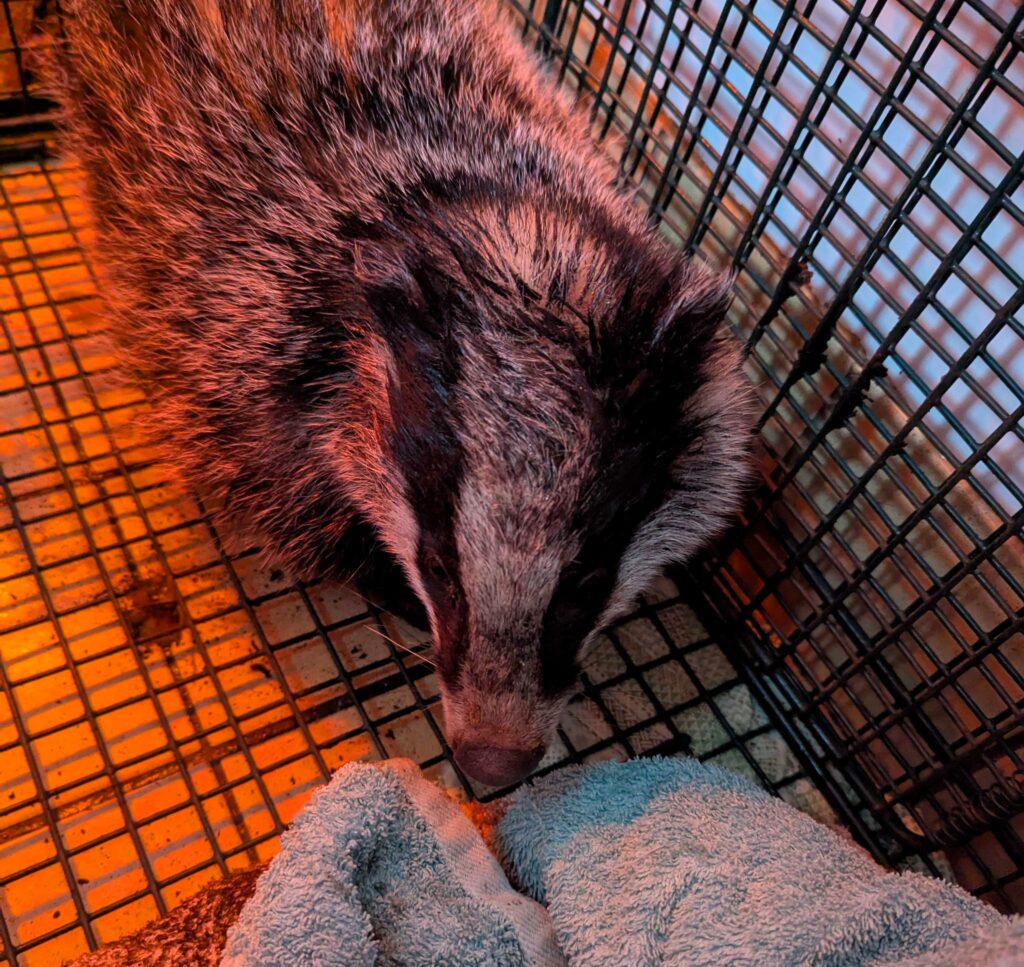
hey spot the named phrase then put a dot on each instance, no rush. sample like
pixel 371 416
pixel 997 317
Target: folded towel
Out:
pixel 382 868
pixel 667 861
pixel 650 862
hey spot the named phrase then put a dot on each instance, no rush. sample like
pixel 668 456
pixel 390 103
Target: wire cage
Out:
pixel 854 644
pixel 859 165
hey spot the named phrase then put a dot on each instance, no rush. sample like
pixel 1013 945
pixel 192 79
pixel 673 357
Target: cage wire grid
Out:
pixel 166 705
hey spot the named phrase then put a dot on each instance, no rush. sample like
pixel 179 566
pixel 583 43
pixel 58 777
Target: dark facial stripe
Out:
pixel 644 431
pixel 417 319
pixel 610 521
pixel 586 584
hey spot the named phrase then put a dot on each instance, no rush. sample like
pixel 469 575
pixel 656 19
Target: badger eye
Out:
pixel 591 578
pixel 436 570
pixel 437 574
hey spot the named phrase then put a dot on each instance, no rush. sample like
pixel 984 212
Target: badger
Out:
pixel 397 317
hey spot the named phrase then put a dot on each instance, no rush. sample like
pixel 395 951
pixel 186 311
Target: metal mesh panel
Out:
pixel 859 166
pixel 27 29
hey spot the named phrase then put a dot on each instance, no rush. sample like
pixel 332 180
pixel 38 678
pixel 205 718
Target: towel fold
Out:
pixel 667 861
pixel 650 862
pixel 382 868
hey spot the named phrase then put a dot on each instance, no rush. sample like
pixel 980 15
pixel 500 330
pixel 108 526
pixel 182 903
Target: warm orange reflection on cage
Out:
pixel 174 709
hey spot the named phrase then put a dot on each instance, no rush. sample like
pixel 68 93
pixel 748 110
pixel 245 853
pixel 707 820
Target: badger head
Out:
pixel 552 416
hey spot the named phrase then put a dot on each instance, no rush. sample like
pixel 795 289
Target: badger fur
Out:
pixel 396 316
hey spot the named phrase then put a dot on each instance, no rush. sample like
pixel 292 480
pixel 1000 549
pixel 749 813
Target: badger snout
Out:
pixel 498 736
pixel 496 765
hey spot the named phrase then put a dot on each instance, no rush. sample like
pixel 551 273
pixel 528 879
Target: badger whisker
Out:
pixel 411 651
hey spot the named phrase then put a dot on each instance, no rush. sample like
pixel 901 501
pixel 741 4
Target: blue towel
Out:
pixel 667 861
pixel 382 868
pixel 650 862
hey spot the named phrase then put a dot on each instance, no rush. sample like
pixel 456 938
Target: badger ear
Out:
pixel 386 282
pixel 697 304
pixel 409 301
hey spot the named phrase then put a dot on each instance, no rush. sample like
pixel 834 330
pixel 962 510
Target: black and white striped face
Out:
pixel 532 490
pixel 560 521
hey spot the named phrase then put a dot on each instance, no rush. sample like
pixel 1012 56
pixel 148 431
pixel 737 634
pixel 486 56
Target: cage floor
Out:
pixel 166 706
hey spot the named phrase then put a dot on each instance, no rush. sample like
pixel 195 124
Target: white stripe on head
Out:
pixel 523 467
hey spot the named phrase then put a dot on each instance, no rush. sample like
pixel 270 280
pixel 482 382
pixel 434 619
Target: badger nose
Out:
pixel 495 764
